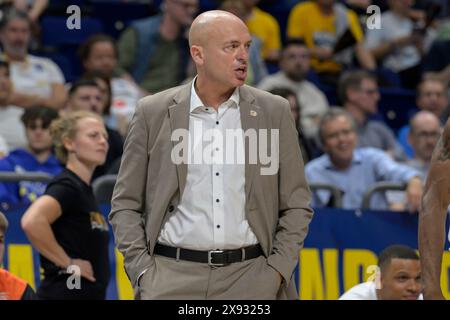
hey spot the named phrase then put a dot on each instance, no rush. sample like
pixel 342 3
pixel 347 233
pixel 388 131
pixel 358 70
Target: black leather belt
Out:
pixel 216 258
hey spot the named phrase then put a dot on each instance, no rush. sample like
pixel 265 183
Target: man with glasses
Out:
pixel 358 92
pixel 431 96
pixel 155 50
pixel 37 157
pixel 353 170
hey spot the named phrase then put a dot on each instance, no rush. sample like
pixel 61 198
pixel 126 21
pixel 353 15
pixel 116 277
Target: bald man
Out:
pixel 211 200
pixel 424 133
pixel 435 201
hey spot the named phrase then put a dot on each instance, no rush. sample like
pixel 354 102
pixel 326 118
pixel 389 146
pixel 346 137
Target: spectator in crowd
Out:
pixel 321 23
pixel 398 45
pixel 294 64
pixel 119 123
pixel 11 286
pixel 99 55
pixel 155 50
pixel 431 96
pixel 353 170
pixel 398 277
pixel 36 81
pixel 257 69
pixel 65 225
pixel 86 95
pixel 358 92
pixel 263 26
pixel 423 137
pixel 37 157
pixel 307 146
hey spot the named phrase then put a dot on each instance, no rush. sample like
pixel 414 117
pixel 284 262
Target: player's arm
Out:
pixel 435 200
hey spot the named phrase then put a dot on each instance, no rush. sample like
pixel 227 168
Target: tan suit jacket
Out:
pixel 149 184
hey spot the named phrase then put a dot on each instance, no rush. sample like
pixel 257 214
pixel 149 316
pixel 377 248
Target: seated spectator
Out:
pixel 321 23
pixel 423 137
pixel 398 45
pixel 358 92
pixel 257 69
pixel 86 95
pixel 37 157
pixel 11 286
pixel 294 64
pixel 398 277
pixel 99 55
pixel 353 170
pixel 432 97
pixel 265 27
pixel 155 50
pixel 36 81
pixel 308 148
pixel 117 123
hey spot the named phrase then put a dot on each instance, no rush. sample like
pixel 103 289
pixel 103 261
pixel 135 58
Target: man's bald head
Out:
pixel 207 22
pixel 424 119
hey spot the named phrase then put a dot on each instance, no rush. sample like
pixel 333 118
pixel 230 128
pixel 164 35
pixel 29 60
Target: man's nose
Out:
pixel 243 53
pixel 414 286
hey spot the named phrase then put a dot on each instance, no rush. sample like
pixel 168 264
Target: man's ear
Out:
pixel 351 94
pixel 197 54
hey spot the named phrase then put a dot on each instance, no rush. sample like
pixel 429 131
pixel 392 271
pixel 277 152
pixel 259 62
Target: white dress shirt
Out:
pixel 211 212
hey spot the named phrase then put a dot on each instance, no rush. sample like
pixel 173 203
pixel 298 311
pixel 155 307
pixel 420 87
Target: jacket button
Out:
pixel 171 208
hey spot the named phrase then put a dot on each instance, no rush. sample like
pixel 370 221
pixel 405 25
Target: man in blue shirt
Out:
pixel 37 157
pixel 353 170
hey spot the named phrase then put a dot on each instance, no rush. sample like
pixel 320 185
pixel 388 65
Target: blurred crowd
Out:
pixel 324 56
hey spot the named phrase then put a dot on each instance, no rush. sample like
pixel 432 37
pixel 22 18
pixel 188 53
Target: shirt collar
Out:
pixel 197 102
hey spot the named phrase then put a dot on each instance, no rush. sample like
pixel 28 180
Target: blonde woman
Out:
pixel 65 225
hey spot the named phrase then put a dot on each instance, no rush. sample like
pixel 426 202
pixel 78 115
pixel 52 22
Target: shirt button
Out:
pixel 217 173
pixel 217 200
pixel 218 226
pixel 171 208
pixel 217 149
pixel 217 122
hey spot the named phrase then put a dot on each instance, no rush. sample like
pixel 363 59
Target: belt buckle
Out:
pixel 210 258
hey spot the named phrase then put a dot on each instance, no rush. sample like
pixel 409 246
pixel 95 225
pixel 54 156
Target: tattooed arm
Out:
pixel 435 200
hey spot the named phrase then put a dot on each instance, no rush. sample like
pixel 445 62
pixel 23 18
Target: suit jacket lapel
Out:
pixel 250 114
pixel 179 119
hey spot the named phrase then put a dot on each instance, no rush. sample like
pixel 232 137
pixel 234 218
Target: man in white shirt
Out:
pixel 398 277
pixel 36 81
pixel 194 216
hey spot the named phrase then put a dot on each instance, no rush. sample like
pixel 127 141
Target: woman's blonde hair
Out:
pixel 66 127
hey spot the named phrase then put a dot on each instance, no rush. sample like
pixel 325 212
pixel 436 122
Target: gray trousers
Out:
pixel 170 279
